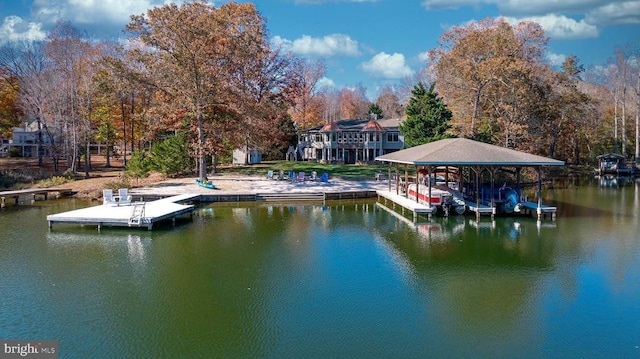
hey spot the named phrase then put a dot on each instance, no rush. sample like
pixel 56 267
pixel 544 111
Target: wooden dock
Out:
pixel 32 193
pixel 413 206
pixel 137 215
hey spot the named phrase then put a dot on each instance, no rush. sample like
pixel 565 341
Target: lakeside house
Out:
pixel 24 141
pixel 351 141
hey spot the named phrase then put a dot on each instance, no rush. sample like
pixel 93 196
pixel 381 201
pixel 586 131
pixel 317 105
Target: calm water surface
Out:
pixel 345 280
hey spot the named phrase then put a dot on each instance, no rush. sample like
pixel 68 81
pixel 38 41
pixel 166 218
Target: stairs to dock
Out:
pixel 284 197
pixel 137 214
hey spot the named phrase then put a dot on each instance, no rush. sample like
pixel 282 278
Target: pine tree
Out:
pixel 375 109
pixel 428 118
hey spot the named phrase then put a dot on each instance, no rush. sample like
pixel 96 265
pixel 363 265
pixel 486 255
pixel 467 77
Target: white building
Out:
pixel 351 141
pixel 25 141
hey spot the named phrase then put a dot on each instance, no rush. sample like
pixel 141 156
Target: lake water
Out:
pixel 344 280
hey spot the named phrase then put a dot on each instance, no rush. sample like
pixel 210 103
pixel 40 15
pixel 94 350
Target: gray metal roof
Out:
pixel 465 152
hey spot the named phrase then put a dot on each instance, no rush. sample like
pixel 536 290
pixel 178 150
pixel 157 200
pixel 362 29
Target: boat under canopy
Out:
pixel 455 157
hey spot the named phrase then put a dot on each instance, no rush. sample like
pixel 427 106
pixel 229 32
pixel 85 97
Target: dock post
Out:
pixel 2 202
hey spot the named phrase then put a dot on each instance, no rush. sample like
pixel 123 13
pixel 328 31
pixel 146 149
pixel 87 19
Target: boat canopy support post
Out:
pixel 539 209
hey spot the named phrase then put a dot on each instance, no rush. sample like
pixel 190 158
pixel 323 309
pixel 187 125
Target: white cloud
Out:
pixel 423 56
pixel 623 12
pixel 326 46
pixel 387 66
pixel 14 28
pixel 561 27
pixel 115 12
pixel 325 82
pixel 555 60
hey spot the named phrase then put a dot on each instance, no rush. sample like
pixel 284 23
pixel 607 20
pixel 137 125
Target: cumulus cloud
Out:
pixel 593 12
pixel 555 60
pixel 326 46
pixel 116 12
pixel 387 66
pixel 624 12
pixel 423 56
pixel 325 82
pixel 14 28
pixel 561 27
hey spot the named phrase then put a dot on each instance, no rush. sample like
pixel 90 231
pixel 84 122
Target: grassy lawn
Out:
pixel 341 171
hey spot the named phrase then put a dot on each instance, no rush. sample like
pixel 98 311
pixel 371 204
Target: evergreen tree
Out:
pixel 428 118
pixel 375 109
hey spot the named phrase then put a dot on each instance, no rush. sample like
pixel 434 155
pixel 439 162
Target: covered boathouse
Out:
pixel 462 176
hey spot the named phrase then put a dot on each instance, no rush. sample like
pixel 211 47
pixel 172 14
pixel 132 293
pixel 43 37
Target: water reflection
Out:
pixel 105 242
pixel 344 279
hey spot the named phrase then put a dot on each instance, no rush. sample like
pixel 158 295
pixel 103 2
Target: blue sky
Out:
pixel 368 42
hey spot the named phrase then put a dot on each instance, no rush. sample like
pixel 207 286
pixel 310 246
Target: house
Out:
pixel 351 141
pixel 25 141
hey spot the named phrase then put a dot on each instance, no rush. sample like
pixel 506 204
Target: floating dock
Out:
pixel 137 214
pixel 413 206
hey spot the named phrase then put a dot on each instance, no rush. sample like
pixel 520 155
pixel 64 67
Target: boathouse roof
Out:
pixel 466 152
pixel 610 156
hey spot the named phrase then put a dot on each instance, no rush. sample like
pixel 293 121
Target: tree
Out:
pixel 194 55
pixel 390 103
pixel 353 102
pixel 304 111
pixel 375 109
pixel 106 133
pixel 10 112
pixel 428 118
pixel 477 64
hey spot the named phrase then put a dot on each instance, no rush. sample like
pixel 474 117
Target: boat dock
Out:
pixel 137 214
pixel 32 192
pixel 480 209
pixel 542 211
pixel 405 203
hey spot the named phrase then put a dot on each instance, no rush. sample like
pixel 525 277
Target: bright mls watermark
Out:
pixel 39 349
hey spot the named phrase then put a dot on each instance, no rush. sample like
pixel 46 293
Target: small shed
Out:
pixel 246 156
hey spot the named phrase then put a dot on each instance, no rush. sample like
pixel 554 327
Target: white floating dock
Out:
pixel 138 214
pixel 413 206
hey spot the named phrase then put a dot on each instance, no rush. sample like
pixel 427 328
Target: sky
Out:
pixel 369 43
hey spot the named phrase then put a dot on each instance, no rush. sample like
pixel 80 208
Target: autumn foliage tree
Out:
pixel 197 54
pixel 485 66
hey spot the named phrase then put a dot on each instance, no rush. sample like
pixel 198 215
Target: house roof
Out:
pixel 330 127
pixel 462 151
pixel 357 125
pixel 373 125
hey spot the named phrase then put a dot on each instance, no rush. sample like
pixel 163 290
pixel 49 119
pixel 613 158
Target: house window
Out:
pixel 392 137
pixel 371 136
pixel 318 137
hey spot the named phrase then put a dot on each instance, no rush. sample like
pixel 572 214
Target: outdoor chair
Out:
pixel 292 176
pixel 270 174
pixel 107 198
pixel 301 176
pixel 124 196
pixel 281 175
pixel 313 176
pixel 324 177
